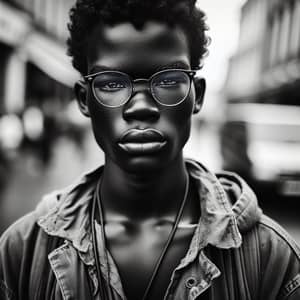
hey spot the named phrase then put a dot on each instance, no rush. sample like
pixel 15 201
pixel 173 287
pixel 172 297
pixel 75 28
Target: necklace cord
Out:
pixel 103 237
pixel 170 239
pixel 97 199
pixel 102 290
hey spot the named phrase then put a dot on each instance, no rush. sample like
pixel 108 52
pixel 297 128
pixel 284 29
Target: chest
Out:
pixel 136 250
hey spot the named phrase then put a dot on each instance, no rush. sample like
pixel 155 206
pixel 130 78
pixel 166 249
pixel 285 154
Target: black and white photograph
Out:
pixel 149 150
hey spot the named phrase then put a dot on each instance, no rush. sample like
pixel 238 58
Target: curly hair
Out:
pixel 86 14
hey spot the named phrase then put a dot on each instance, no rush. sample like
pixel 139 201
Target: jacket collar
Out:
pixel 66 213
pixel 217 225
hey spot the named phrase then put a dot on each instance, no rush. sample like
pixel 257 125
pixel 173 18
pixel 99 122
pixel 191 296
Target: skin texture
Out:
pixel 141 192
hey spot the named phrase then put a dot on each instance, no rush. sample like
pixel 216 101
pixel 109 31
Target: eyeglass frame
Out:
pixel 90 79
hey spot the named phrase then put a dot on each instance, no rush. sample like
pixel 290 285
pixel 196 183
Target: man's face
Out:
pixel 142 135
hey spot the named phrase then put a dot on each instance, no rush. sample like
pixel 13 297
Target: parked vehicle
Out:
pixel 262 143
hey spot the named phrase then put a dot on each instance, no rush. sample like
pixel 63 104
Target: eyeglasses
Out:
pixel 168 87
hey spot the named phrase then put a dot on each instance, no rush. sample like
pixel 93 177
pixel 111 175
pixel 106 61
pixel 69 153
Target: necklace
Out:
pixel 104 288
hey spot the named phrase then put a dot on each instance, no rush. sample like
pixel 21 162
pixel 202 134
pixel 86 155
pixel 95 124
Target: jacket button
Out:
pixel 190 282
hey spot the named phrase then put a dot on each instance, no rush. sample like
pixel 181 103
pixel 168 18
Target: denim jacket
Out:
pixel 236 253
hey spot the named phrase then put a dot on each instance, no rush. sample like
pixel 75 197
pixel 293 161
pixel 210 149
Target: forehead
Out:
pixel 124 47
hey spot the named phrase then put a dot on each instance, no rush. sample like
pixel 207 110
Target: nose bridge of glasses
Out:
pixel 140 85
pixel 141 107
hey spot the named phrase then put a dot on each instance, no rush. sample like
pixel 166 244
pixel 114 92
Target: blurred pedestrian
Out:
pixel 148 224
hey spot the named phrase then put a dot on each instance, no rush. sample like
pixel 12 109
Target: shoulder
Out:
pixel 276 256
pixel 21 231
pixel 18 244
pixel 25 235
pixel 274 237
pixel 24 249
pixel 16 254
pixel 25 229
pixel 278 249
pixel 274 244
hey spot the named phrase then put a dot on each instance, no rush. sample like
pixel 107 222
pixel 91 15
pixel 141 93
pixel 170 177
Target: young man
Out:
pixel 148 224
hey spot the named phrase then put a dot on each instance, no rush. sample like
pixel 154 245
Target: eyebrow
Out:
pixel 99 68
pixel 174 65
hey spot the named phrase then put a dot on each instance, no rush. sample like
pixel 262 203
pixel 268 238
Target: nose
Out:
pixel 141 106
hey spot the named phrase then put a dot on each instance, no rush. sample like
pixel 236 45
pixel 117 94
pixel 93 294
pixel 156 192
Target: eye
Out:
pixel 167 82
pixel 169 79
pixel 110 86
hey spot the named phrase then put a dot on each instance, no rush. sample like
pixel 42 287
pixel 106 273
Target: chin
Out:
pixel 143 165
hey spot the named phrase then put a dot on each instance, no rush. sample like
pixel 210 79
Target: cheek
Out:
pixel 184 118
pixel 179 119
pixel 182 114
pixel 104 124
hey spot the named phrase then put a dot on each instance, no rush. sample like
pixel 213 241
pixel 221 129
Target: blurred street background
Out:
pixel 250 122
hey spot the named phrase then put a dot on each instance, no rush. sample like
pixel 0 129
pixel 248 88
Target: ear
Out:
pixel 81 93
pixel 200 87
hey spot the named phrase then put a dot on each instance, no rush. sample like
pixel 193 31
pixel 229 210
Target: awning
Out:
pixel 14 25
pixel 51 58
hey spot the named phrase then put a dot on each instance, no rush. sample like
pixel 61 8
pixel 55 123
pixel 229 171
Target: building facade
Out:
pixel 267 61
pixel 35 72
pixel 261 132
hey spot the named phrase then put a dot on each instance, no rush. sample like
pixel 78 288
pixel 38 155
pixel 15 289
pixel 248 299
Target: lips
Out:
pixel 142 141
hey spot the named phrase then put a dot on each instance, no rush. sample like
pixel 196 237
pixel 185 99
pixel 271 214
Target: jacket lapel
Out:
pixel 71 274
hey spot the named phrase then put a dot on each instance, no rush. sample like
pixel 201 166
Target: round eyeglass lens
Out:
pixel 170 87
pixel 112 88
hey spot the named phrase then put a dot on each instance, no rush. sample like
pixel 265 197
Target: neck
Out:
pixel 140 196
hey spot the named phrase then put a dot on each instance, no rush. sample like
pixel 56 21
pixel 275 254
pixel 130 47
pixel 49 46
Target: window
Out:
pixel 295 31
pixel 284 34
